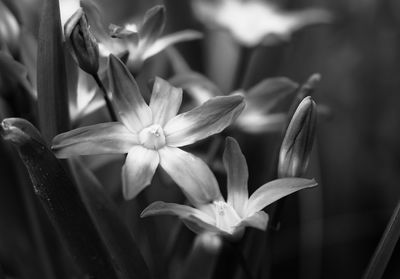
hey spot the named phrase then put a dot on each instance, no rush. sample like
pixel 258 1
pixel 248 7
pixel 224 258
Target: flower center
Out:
pixel 152 137
pixel 225 216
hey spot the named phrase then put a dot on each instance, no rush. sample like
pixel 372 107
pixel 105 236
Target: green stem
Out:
pixel 106 97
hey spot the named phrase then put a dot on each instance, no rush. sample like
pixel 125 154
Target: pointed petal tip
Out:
pixel 147 211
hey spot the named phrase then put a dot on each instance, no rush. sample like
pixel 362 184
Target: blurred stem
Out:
pixel 110 108
pixel 242 261
pixel 383 252
pixel 242 66
pixel 311 212
pixel 231 252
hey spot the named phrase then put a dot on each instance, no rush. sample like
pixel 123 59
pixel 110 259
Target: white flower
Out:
pixel 151 134
pixel 142 41
pixel 229 218
pixel 256 22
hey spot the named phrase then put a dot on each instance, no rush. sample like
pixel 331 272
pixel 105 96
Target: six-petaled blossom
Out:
pixel 229 218
pixel 256 22
pixel 151 134
pixel 142 41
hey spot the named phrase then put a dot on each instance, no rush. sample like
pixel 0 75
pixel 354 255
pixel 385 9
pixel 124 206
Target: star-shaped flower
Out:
pixel 229 218
pixel 257 21
pixel 142 41
pixel 151 134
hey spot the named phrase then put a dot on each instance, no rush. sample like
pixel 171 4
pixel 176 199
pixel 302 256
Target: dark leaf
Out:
pixel 61 200
pixel 113 230
pixel 51 75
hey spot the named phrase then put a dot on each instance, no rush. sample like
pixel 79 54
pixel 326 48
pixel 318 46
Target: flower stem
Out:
pixel 242 67
pixel 383 252
pixel 110 108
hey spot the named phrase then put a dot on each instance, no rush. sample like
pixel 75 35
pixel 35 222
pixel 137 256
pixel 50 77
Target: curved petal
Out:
pixel 104 138
pixel 129 103
pixel 153 25
pixel 198 86
pixel 179 210
pixel 274 190
pixel 191 174
pixel 270 94
pixel 165 101
pixel 258 220
pixel 238 175
pixel 198 226
pixel 138 170
pixel 210 118
pixel 168 40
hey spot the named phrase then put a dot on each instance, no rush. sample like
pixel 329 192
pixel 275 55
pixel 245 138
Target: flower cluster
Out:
pixel 152 134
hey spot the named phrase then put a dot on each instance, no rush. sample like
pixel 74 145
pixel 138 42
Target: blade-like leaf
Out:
pixel 51 75
pixel 113 230
pixel 383 252
pixel 61 200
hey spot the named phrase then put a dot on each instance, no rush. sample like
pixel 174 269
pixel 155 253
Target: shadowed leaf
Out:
pixel 51 75
pixel 113 230
pixel 60 198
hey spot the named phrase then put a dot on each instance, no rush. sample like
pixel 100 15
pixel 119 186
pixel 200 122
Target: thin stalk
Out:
pixel 383 252
pixel 242 261
pixel 242 67
pixel 110 108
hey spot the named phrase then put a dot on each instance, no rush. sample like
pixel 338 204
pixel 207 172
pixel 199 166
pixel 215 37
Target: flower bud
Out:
pixel 10 30
pixel 297 144
pixel 82 43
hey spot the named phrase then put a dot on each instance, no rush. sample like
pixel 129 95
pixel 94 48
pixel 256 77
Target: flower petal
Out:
pixel 138 170
pixel 193 218
pixel 165 101
pixel 238 174
pixel 258 220
pixel 168 40
pixel 210 118
pixel 274 190
pixel 191 174
pixel 179 210
pixel 153 25
pixel 270 94
pixel 198 86
pixel 104 138
pixel 129 103
pixel 198 226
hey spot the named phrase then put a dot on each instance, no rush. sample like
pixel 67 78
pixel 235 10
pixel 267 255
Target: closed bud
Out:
pixel 82 43
pixel 297 144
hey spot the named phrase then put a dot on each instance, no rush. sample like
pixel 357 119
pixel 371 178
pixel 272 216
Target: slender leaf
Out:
pixel 61 200
pixel 51 74
pixel 113 230
pixel 383 252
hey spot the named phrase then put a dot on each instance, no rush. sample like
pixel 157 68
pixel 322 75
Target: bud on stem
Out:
pixel 82 43
pixel 297 144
